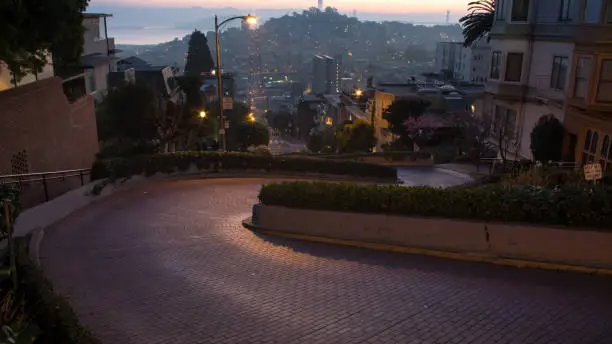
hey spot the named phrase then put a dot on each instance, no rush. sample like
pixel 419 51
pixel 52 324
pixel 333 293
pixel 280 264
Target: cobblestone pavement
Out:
pixel 170 263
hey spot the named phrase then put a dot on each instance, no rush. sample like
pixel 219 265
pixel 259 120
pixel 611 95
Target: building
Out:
pixel 7 79
pixel 327 75
pixel 560 65
pixel 446 53
pixel 472 63
pixel 98 60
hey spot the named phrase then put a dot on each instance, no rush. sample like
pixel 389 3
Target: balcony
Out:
pixel 507 91
pixel 99 46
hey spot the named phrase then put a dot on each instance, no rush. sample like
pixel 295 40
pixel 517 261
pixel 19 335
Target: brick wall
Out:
pixel 56 134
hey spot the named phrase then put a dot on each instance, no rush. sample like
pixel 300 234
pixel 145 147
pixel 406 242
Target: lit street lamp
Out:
pixel 358 92
pixel 202 114
pixel 249 19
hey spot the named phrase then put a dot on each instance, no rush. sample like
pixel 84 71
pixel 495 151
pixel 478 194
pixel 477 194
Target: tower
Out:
pixel 321 5
pixel 447 17
pixel 355 13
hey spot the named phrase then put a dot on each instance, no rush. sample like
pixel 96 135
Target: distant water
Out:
pixel 146 35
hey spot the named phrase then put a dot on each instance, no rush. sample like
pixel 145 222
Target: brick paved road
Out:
pixel 170 263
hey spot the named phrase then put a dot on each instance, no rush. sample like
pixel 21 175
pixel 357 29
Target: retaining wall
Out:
pixel 545 244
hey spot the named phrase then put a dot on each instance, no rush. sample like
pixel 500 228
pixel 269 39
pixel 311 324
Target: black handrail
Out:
pixel 44 177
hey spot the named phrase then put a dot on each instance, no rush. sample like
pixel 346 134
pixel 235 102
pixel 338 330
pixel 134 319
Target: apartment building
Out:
pixel 467 64
pixel 548 57
pixel 327 74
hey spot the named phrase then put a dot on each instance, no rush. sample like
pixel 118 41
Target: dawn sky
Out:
pixel 388 6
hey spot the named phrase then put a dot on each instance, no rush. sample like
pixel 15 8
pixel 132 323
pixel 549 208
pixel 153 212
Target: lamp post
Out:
pixel 250 20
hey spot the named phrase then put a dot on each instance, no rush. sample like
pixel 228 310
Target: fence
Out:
pixel 497 165
pixel 37 188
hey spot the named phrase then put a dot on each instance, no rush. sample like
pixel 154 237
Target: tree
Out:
pixel 284 122
pixel 547 139
pixel 479 20
pixel 503 133
pixel 132 113
pixel 249 134
pixel 199 59
pixel 356 137
pixel 323 141
pixel 400 111
pixel 32 29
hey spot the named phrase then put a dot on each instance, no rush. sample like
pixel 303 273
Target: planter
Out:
pixel 576 247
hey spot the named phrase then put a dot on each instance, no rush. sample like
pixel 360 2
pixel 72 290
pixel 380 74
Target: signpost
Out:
pixel 228 103
pixel 593 172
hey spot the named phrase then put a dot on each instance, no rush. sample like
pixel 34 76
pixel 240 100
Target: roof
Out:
pixel 96 15
pixel 133 60
pixel 96 59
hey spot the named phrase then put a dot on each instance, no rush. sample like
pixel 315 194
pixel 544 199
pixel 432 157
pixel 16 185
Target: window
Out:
pixel 514 67
pixel 604 87
pixel 592 11
pixel 565 10
pixel 520 10
pixel 495 64
pixel 590 146
pixel 605 156
pixel 559 72
pixel 500 11
pixel 609 12
pixel 504 123
pixel 581 80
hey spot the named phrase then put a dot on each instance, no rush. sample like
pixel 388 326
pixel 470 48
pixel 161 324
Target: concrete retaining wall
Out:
pixel 561 246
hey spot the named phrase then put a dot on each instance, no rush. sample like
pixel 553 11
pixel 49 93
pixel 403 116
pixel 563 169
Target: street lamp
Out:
pixel 358 92
pixel 202 114
pixel 251 117
pixel 249 19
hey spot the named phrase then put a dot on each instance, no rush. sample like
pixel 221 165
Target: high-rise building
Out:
pixel 327 74
pixel 560 65
pixel 320 5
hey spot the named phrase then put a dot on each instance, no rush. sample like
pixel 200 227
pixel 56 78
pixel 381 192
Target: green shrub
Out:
pixel 51 312
pixel 551 176
pixel 10 195
pixel 569 206
pixel 212 161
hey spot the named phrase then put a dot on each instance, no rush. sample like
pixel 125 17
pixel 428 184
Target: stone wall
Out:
pixel 37 119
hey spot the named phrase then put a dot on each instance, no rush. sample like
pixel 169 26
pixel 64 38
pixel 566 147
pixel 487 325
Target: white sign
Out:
pixel 221 131
pixel 592 172
pixel 228 103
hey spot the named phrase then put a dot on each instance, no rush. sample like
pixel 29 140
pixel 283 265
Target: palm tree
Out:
pixel 479 20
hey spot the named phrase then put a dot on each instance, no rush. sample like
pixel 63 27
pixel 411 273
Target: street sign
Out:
pixel 592 172
pixel 226 125
pixel 221 131
pixel 228 103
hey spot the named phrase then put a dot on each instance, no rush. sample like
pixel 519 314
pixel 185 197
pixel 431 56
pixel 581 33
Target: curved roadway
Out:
pixel 169 262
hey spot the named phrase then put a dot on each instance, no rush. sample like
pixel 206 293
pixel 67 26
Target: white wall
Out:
pixel 542 67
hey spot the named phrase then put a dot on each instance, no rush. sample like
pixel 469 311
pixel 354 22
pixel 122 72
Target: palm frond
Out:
pixel 479 20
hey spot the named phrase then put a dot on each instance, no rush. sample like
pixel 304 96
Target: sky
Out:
pixel 374 6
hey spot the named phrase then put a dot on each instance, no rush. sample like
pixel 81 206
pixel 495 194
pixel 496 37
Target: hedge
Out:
pixel 568 206
pixel 51 312
pixel 216 161
pixel 9 194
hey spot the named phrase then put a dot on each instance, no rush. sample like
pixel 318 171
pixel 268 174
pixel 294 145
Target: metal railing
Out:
pixel 53 184
pixel 515 166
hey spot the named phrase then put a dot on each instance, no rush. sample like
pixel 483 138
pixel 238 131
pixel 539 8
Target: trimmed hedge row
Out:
pixel 51 312
pixel 217 161
pixel 564 206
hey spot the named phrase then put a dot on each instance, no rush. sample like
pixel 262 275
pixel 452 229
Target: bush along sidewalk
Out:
pixel 30 311
pixel 566 206
pixel 232 161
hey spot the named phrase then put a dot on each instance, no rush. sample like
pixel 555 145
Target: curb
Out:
pixel 477 258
